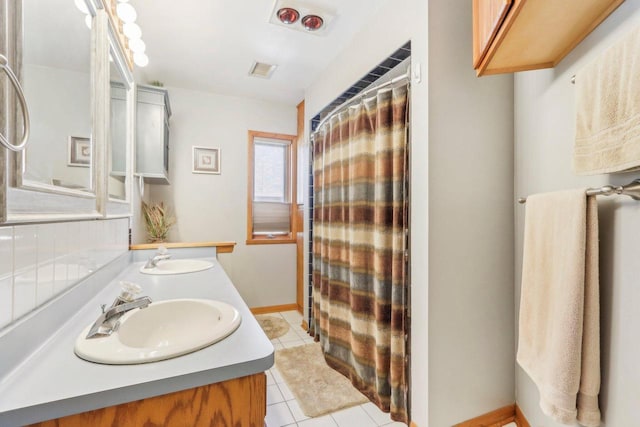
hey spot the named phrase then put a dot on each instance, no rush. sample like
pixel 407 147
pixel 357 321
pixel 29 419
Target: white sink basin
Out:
pixel 178 266
pixel 163 330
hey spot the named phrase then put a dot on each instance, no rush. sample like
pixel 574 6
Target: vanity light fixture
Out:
pixel 312 22
pixel 124 16
pixel 288 15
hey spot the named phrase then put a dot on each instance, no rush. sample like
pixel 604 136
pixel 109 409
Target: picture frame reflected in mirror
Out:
pixel 79 152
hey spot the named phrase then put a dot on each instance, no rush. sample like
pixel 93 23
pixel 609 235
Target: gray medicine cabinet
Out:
pixel 152 134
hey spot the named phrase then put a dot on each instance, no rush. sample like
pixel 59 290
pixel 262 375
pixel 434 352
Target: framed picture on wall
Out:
pixel 79 151
pixel 206 160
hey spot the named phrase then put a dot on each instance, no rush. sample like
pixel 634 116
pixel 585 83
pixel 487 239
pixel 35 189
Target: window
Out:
pixel 272 171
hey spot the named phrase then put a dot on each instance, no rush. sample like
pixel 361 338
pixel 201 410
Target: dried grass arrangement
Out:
pixel 157 221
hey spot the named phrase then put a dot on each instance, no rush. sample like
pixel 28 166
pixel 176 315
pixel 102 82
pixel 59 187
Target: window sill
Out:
pixel 273 241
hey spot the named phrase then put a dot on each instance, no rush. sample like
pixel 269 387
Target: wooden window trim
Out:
pixel 291 180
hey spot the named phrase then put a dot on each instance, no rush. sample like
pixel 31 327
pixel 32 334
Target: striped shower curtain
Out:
pixel 359 270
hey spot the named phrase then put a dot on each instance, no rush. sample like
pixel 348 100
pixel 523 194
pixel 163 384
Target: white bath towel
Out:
pixel 559 331
pixel 608 110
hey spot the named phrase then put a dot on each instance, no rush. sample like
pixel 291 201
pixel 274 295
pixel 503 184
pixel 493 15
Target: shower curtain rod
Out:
pixel 632 190
pixel 360 95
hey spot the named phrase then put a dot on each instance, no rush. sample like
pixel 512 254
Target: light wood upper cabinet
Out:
pixel 488 16
pixel 519 35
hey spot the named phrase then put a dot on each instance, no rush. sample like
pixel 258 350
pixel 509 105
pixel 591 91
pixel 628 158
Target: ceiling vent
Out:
pixel 261 69
pixel 301 16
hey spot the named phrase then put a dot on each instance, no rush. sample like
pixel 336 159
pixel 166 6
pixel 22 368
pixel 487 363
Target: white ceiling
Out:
pixel 209 45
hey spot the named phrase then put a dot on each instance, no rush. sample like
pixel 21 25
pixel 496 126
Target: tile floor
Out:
pixel 282 407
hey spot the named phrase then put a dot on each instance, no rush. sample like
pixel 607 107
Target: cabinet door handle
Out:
pixel 4 64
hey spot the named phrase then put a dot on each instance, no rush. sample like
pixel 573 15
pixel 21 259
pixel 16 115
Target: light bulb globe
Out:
pixel 82 6
pixel 132 30
pixel 126 12
pixel 137 46
pixel 140 59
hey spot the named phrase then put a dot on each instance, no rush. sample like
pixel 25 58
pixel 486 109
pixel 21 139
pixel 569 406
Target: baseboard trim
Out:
pixel 273 308
pixel 497 418
pixel 521 421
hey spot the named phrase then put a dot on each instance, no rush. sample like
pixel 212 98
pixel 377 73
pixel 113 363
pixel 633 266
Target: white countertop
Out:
pixel 53 382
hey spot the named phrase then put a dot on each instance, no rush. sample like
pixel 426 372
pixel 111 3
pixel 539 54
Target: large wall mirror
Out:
pixel 57 80
pixel 79 90
pixel 54 47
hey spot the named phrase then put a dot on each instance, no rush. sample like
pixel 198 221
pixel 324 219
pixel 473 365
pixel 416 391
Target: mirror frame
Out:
pixel 33 202
pixel 119 207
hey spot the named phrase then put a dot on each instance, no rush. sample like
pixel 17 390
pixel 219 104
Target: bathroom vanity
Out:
pixel 42 381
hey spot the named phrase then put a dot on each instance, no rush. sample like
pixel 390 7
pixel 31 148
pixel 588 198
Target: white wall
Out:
pixel 544 124
pixel 461 234
pixel 470 225
pixel 214 207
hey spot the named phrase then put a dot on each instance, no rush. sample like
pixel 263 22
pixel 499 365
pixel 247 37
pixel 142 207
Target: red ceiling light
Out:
pixel 288 15
pixel 312 22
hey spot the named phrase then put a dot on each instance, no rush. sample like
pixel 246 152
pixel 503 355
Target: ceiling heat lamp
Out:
pixel 312 22
pixel 288 15
pixel 302 16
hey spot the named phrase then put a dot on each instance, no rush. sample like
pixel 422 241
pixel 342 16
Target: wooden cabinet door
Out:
pixel 488 16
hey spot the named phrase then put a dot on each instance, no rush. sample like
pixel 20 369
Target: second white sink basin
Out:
pixel 178 266
pixel 163 330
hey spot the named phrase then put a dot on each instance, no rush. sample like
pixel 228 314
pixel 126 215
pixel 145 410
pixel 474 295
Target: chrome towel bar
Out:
pixel 4 65
pixel 632 190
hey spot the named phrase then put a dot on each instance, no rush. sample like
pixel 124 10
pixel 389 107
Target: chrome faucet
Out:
pixel 109 321
pixel 162 253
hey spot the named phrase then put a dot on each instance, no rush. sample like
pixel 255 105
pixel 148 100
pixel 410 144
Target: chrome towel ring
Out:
pixel 4 64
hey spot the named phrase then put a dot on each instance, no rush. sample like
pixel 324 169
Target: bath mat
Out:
pixel 317 388
pixel 272 326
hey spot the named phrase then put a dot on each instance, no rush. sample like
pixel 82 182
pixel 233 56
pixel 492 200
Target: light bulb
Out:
pixel 140 59
pixel 132 30
pixel 137 46
pixel 88 20
pixel 126 12
pixel 82 6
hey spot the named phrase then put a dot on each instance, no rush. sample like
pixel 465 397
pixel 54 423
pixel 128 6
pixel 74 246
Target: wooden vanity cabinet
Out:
pixel 519 35
pixel 237 402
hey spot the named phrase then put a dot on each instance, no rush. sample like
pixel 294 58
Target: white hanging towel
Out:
pixel 559 331
pixel 608 110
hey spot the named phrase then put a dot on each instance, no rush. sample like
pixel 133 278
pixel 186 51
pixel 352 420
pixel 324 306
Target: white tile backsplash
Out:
pixel 6 300
pixel 6 276
pixel 46 265
pixel 24 292
pixel 25 272
pixel 25 247
pixel 6 251
pixel 38 262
